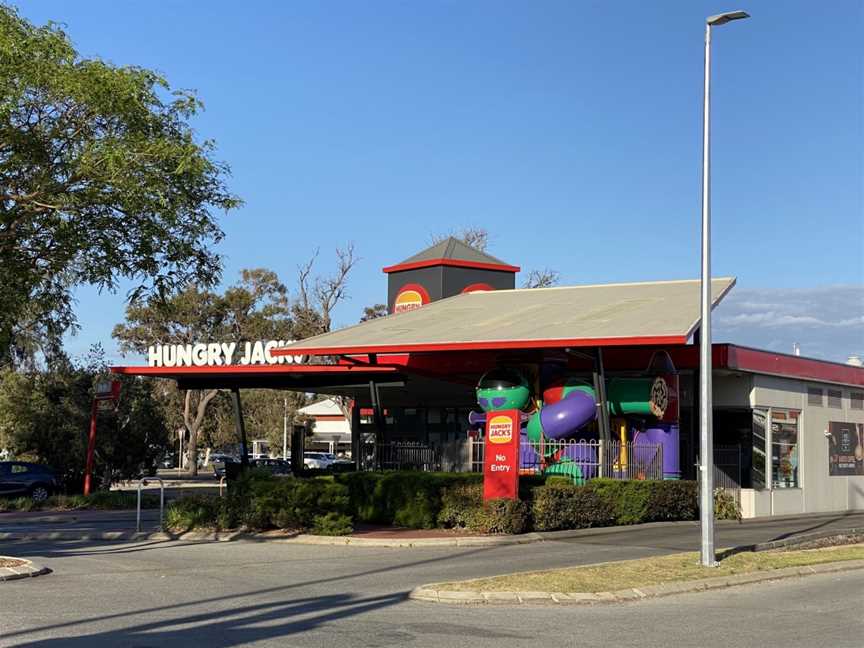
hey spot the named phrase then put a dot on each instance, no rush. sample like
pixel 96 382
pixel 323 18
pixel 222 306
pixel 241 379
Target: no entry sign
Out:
pixel 501 455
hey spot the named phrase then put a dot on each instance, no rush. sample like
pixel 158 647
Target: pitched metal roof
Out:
pixel 659 312
pixel 451 251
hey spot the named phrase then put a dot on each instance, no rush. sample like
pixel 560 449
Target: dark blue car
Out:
pixel 21 479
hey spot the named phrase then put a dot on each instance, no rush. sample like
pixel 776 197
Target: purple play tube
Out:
pixel 585 456
pixel 666 435
pixel 561 420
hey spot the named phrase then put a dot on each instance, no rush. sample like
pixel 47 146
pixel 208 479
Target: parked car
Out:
pixel 218 461
pixel 278 467
pixel 318 460
pixel 21 479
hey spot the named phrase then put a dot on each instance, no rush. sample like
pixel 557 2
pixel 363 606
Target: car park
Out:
pixel 278 467
pixel 219 461
pixel 318 460
pixel 23 479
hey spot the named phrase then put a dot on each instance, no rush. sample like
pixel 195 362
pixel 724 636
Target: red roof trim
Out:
pixel 491 345
pixel 251 369
pixel 790 366
pixel 457 263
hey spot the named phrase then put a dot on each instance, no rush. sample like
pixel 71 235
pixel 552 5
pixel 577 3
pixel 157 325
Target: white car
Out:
pixel 318 460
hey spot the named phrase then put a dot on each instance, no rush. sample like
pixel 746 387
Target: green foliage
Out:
pixel 195 512
pixel 459 506
pixel 565 506
pixel 726 505
pixel 410 499
pixel 100 500
pixel 462 507
pixel 502 516
pixel 101 178
pixel 45 416
pixel 261 501
pixel 635 502
pixel 332 524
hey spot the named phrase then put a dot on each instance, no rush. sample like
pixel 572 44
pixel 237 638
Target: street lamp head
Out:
pixel 729 16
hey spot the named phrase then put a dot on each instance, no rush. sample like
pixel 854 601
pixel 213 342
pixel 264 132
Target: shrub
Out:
pixel 194 512
pixel 501 516
pixel 262 501
pixel 565 506
pixel 460 505
pixel 411 499
pixel 332 524
pixel 726 506
pixel 635 502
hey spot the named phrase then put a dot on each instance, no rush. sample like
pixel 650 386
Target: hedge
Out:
pixel 260 501
pixel 408 499
pixel 558 505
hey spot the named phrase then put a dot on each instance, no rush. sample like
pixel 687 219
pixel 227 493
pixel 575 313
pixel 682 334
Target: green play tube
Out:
pixel 630 396
pixel 566 468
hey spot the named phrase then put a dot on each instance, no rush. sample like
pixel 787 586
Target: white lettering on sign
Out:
pixel 499 468
pixel 212 354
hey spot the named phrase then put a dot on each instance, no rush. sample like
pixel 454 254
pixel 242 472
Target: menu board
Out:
pixel 845 449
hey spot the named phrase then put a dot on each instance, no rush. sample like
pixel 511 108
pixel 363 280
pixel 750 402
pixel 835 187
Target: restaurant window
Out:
pixel 757 469
pixel 814 396
pixel 835 398
pixel 856 400
pixel 784 448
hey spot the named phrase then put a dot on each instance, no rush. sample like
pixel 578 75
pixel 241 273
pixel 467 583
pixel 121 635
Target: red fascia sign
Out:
pixel 501 455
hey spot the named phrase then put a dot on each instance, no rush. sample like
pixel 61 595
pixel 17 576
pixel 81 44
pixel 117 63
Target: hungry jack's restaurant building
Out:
pixel 601 363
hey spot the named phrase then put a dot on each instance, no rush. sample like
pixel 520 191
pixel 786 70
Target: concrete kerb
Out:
pixel 432 594
pixel 27 570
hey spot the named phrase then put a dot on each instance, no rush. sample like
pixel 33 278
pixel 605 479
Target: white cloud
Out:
pixel 826 322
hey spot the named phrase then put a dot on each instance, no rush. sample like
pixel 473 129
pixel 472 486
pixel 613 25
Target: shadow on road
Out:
pixel 346 600
pixel 239 625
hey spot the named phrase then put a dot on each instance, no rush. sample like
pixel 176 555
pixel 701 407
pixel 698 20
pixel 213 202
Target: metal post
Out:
pixel 145 482
pixel 285 430
pixel 356 438
pixel 707 555
pixel 91 448
pixel 240 426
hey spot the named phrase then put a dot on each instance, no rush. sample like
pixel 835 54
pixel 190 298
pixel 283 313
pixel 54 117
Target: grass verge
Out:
pixel 99 501
pixel 607 577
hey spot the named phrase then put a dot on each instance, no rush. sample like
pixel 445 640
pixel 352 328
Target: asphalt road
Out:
pixel 275 594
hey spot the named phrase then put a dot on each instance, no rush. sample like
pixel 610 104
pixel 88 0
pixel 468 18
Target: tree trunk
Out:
pixel 194 424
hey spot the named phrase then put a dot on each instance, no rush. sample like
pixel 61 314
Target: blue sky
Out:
pixel 571 130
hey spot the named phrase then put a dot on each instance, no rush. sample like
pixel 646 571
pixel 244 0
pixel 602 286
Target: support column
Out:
pixel 356 436
pixel 240 426
pixel 378 418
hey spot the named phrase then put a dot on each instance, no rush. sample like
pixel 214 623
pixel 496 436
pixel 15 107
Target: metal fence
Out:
pixel 612 459
pixel 401 455
pixel 728 470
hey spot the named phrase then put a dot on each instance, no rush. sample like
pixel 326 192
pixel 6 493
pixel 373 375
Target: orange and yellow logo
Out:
pixel 500 429
pixel 407 300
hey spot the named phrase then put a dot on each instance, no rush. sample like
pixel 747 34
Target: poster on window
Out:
pixel 845 449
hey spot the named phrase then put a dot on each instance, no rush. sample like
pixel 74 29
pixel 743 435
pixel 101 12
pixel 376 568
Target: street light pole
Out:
pixel 706 410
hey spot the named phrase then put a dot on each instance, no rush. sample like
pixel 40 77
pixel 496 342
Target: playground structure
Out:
pixel 643 413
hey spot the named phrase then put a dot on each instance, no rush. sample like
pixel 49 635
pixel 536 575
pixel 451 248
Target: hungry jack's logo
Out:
pixel 410 298
pixel 500 429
